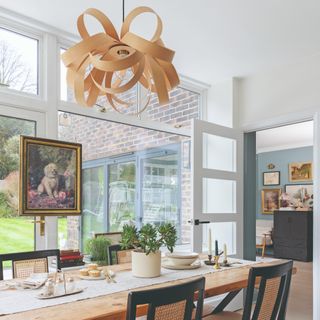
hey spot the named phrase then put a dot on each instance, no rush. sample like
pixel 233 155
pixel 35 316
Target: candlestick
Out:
pixel 210 244
pixel 216 248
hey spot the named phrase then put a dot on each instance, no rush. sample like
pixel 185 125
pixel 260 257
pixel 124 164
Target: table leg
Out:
pixel 226 300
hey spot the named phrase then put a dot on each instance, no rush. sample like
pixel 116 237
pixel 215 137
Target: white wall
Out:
pixel 220 103
pixel 286 93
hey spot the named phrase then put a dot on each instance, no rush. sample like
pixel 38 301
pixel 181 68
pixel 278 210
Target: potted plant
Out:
pixel 98 249
pixel 146 244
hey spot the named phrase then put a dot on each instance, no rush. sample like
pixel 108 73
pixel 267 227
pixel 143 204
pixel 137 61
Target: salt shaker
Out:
pixel 59 287
pixel 70 285
pixel 49 288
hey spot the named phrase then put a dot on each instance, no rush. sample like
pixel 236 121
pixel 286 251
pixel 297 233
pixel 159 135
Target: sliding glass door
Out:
pixel 121 193
pixel 160 189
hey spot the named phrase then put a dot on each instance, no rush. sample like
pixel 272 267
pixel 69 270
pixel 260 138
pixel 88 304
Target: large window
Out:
pixel 18 62
pixel 16 233
pixel 130 174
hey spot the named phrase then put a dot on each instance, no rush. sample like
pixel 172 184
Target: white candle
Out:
pixel 210 243
pixel 225 251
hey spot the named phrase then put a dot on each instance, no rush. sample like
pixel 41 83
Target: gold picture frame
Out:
pixel 300 171
pixel 270 200
pixel 50 177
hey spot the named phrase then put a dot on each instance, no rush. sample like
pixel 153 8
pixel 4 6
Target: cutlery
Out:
pixel 110 274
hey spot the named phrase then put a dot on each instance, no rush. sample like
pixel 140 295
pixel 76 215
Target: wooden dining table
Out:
pixel 113 306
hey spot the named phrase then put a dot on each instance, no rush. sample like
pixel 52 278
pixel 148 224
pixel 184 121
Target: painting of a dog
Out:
pixel 50 176
pixel 50 182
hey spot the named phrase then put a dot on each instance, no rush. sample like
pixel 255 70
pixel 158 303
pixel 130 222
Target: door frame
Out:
pixel 296 117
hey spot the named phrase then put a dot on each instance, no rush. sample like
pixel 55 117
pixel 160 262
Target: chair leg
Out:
pixel 226 300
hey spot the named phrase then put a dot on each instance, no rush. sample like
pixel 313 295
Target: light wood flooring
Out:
pixel 300 298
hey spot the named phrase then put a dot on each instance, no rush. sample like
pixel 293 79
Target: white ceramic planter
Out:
pixel 146 266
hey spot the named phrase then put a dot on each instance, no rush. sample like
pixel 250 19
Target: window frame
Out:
pixel 24 31
pixel 48 102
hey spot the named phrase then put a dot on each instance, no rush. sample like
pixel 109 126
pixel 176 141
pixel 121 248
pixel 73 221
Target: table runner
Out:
pixel 13 301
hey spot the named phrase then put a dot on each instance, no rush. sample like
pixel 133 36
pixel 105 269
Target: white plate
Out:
pixel 182 255
pixel 102 277
pixel 195 265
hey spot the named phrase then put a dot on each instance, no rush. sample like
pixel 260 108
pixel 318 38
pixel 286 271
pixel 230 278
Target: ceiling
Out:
pixel 213 39
pixel 285 137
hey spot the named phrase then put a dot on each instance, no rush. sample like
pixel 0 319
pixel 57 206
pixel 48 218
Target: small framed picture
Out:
pixel 271 178
pixel 300 171
pixel 270 200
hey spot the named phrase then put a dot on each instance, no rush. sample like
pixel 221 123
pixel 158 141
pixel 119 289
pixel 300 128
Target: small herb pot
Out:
pixel 146 266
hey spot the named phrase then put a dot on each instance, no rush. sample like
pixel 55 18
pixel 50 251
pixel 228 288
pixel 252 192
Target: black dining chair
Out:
pixel 25 263
pixel 169 303
pixel 116 255
pixel 272 296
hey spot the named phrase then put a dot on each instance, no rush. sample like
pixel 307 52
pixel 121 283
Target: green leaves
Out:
pixel 150 238
pixel 98 249
pixel 129 238
pixel 168 234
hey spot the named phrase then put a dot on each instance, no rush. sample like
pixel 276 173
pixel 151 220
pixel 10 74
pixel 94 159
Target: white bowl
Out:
pixel 181 258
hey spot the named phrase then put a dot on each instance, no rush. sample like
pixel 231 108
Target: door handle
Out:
pixel 196 222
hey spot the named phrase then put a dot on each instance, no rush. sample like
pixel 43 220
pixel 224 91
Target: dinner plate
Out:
pixel 102 277
pixel 182 255
pixel 195 265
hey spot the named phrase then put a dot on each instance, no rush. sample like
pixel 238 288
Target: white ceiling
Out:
pixel 286 137
pixel 214 40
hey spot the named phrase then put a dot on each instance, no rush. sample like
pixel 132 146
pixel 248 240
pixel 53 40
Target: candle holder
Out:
pixel 209 262
pixel 225 263
pixel 216 262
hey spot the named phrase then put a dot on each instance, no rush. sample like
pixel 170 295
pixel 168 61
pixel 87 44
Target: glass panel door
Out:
pixel 161 190
pixel 122 187
pixel 217 186
pixel 93 213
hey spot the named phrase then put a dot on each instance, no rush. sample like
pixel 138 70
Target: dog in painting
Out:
pixel 50 182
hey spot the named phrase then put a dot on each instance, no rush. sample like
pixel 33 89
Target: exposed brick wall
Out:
pixel 101 139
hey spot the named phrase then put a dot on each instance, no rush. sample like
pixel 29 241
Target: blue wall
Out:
pixel 281 160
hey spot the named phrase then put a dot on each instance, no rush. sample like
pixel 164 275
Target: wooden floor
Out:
pixel 300 299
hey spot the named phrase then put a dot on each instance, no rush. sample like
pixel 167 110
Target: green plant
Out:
pixel 97 248
pixel 149 238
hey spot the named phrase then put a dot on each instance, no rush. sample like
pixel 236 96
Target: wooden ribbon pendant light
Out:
pixel 97 64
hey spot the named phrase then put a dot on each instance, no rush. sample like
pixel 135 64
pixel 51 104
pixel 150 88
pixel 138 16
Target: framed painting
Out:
pixel 271 178
pixel 299 196
pixel 300 171
pixel 50 177
pixel 270 200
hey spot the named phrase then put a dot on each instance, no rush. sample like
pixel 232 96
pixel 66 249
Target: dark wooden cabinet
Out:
pixel 292 235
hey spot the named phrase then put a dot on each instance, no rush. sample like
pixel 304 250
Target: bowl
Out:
pixel 181 258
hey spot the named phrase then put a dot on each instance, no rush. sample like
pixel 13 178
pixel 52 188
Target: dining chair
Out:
pixel 26 263
pixel 271 302
pixel 114 237
pixel 171 302
pixel 118 256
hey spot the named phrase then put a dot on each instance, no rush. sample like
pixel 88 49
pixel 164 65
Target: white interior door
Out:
pixel 217 181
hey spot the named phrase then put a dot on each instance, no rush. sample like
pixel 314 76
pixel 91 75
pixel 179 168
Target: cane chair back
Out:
pixel 26 263
pixel 273 291
pixel 173 302
pixel 118 256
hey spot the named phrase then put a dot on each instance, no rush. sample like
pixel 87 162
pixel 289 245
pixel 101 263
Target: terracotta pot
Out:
pixel 146 266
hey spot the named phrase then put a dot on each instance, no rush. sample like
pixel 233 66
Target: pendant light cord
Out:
pixel 123 10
